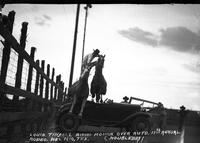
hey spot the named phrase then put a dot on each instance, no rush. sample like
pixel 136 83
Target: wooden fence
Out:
pixel 32 108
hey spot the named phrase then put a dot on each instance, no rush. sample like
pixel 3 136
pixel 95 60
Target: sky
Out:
pixel 152 51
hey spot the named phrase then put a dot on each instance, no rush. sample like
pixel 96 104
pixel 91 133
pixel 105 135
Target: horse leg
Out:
pixel 93 95
pixel 101 99
pixel 82 106
pixel 97 98
pixel 73 104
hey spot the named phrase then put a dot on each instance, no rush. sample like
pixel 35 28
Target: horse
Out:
pixel 79 91
pixel 98 84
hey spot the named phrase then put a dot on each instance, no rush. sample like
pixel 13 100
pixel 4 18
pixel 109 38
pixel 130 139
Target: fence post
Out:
pixel 47 83
pixel 41 83
pixel 65 96
pixel 63 92
pixel 20 59
pixel 5 61
pixel 11 17
pixel 6 55
pixel 35 105
pixel 29 81
pixel 59 92
pixel 52 78
pixel 55 91
pixel 47 87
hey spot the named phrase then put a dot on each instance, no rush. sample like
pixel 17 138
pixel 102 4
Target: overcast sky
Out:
pixel 152 51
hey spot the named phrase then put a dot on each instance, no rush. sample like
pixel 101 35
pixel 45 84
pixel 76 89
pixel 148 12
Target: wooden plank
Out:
pixel 29 80
pixel 41 84
pixel 20 58
pixel 37 79
pixel 56 90
pixel 11 18
pixel 42 80
pixel 47 83
pixel 30 71
pixel 35 105
pixel 47 88
pixel 62 95
pixel 19 92
pixel 51 90
pixel 59 91
pixel 5 60
pixel 15 45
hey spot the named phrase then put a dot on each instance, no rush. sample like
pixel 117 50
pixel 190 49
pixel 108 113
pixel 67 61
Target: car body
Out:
pixel 122 115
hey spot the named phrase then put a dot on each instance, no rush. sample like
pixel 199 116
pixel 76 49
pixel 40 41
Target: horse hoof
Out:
pixel 80 116
pixel 70 113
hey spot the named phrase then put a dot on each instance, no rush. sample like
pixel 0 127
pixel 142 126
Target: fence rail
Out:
pixel 38 102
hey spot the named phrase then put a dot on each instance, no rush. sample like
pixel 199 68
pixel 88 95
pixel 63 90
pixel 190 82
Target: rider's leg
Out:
pixel 82 106
pixel 73 103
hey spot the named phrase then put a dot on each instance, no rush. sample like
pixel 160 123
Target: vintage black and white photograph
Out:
pixel 99 73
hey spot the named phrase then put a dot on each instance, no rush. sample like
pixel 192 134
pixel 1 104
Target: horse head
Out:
pixel 100 61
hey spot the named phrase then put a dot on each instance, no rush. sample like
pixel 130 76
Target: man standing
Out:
pixel 163 116
pixel 125 98
pixel 88 59
pixel 182 115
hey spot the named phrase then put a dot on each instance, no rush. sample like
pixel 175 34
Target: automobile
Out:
pixel 132 117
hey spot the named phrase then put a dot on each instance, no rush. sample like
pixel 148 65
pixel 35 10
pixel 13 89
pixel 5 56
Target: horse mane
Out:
pixel 99 66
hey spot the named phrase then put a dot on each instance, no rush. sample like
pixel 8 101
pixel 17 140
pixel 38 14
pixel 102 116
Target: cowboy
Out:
pixel 163 116
pixel 88 59
pixel 182 115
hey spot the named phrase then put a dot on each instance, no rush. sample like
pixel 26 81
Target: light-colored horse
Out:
pixel 79 91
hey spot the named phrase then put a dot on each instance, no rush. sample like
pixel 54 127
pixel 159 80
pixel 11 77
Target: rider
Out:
pixel 88 59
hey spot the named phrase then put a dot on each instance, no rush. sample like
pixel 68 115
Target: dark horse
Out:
pixel 98 84
pixel 79 91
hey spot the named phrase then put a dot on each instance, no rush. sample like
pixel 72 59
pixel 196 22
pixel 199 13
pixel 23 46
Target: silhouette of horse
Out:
pixel 98 84
pixel 79 91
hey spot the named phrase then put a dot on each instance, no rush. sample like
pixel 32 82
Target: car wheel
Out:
pixel 68 122
pixel 140 124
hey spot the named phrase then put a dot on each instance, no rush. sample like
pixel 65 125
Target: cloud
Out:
pixel 180 39
pixel 43 21
pixel 192 67
pixel 139 35
pixel 47 17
